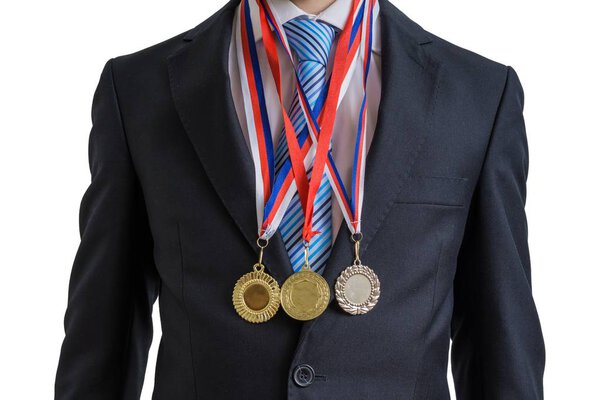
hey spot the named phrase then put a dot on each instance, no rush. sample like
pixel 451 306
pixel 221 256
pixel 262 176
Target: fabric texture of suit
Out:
pixel 170 215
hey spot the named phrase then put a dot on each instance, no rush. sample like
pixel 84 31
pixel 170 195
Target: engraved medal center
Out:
pixel 358 289
pixel 256 297
pixel 305 294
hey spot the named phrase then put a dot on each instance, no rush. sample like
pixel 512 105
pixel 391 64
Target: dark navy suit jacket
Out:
pixel 170 215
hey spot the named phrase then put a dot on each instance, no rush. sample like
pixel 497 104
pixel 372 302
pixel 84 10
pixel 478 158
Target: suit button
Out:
pixel 304 375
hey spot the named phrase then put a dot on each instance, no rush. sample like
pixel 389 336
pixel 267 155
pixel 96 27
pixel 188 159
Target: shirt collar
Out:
pixel 336 15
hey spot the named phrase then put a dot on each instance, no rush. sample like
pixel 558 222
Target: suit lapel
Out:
pixel 409 84
pixel 200 86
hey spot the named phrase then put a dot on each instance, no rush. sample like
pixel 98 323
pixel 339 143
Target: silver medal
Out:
pixel 357 289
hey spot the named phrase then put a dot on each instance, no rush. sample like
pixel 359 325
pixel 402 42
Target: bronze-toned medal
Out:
pixel 305 294
pixel 256 295
pixel 357 289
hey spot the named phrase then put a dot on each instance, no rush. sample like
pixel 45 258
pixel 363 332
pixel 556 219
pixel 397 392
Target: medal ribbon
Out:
pixel 277 192
pixel 351 208
pixel 291 172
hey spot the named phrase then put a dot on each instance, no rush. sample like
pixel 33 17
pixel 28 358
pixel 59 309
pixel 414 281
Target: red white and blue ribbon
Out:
pixel 273 194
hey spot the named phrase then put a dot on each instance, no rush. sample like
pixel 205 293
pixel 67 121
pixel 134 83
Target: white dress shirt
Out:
pixel 344 132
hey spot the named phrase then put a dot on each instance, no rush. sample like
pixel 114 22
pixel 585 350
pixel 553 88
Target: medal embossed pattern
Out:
pixel 305 295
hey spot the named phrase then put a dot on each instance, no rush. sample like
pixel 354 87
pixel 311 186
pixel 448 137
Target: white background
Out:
pixel 52 53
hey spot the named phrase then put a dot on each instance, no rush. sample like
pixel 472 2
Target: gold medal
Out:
pixel 256 295
pixel 357 289
pixel 305 294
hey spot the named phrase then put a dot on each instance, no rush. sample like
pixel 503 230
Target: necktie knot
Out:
pixel 311 40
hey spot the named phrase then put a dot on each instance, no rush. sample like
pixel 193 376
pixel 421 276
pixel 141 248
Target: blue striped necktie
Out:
pixel 311 41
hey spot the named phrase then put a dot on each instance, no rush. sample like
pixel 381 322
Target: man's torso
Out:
pixel 437 108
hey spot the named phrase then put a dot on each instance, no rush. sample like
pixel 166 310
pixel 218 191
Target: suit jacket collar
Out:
pixel 198 73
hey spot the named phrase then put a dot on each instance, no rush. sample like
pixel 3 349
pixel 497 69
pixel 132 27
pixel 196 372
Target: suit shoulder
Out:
pixel 452 52
pixel 465 64
pixel 462 64
pixel 154 57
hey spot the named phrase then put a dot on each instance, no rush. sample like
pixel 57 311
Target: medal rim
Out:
pixel 340 289
pixel 239 304
pixel 321 304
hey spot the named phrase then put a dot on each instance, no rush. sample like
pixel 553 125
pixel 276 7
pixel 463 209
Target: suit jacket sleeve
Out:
pixel 113 284
pixel 497 344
